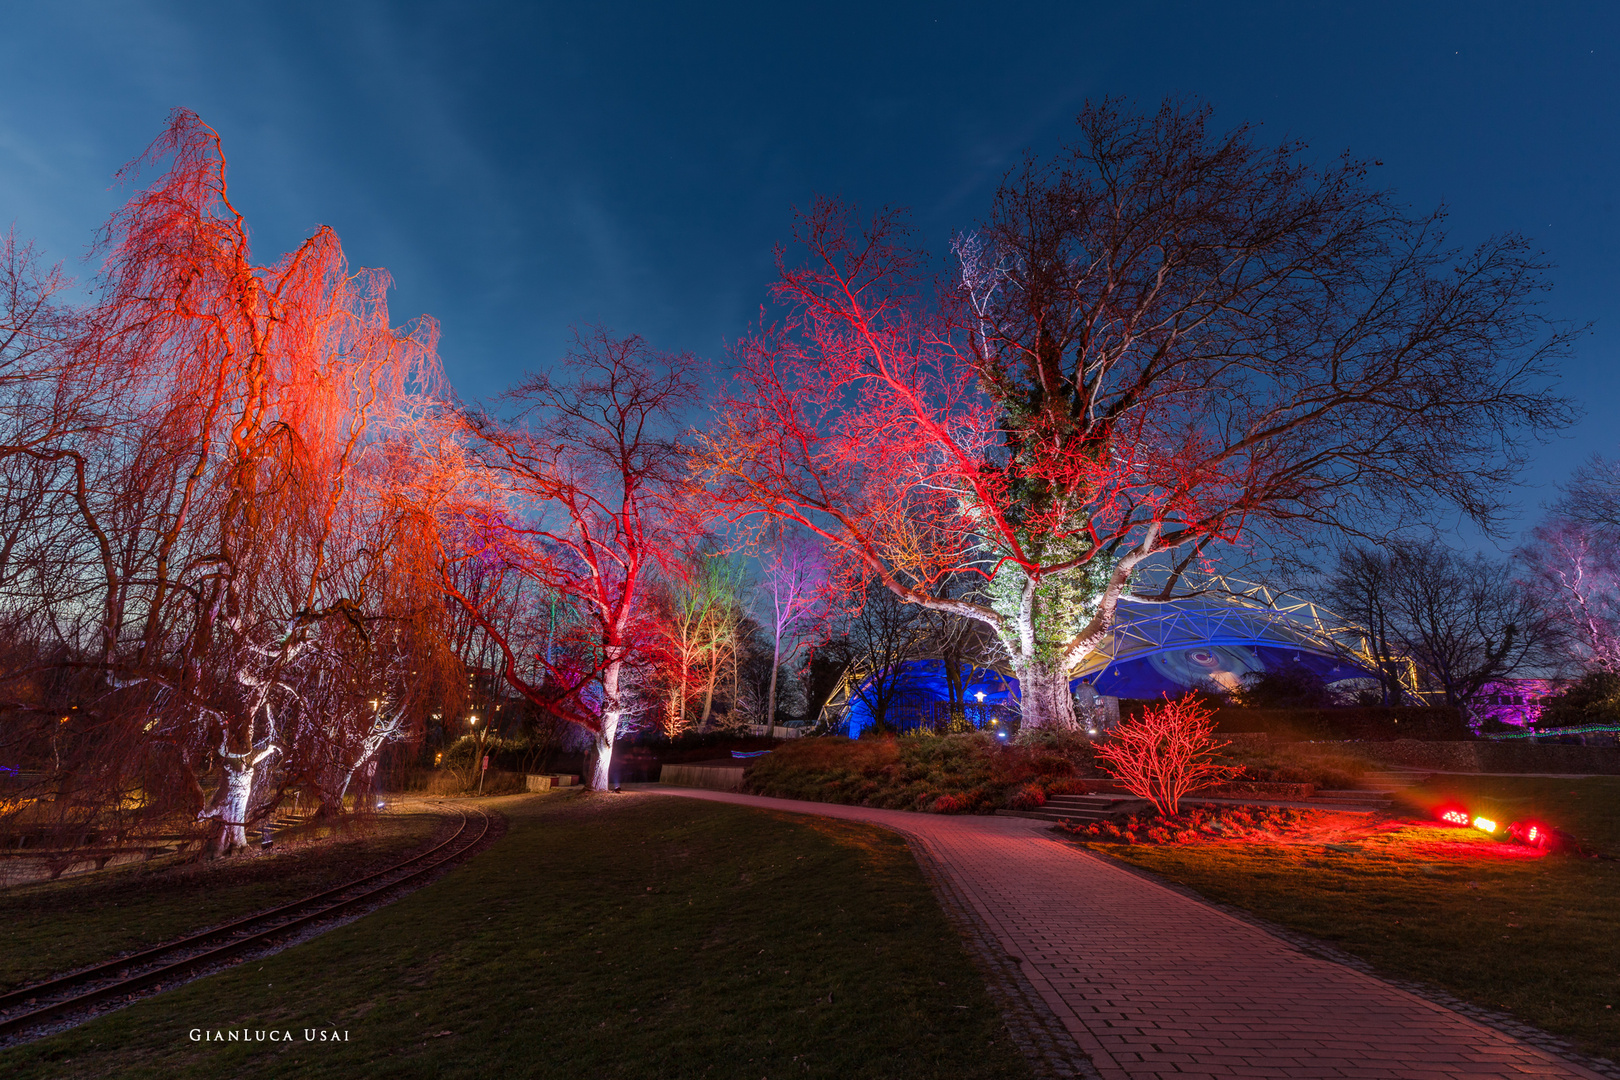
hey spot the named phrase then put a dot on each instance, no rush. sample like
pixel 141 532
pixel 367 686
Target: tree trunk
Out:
pixel 708 703
pixel 233 808
pixel 601 752
pixel 1045 701
pixel 770 700
pixel 600 756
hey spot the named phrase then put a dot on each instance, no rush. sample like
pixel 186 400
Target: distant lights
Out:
pixel 1485 824
pixel 1455 817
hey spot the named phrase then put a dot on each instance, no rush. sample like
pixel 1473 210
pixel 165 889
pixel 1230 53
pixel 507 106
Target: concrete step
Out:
pixel 1086 808
pixel 1352 794
pixel 1088 800
pixel 1360 800
pixel 1394 777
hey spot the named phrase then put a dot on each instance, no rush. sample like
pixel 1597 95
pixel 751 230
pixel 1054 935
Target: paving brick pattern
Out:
pixel 1150 982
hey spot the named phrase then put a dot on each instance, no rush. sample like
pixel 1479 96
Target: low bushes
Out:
pixel 948 774
pixel 954 774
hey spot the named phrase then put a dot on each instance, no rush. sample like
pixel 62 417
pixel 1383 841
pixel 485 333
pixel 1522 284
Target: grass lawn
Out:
pixel 603 936
pixel 57 926
pixel 1534 935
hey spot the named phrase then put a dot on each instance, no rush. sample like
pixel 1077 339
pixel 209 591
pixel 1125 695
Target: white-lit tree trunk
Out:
pixel 601 751
pixel 235 799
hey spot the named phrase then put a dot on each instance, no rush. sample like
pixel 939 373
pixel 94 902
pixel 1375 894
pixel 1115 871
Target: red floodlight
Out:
pixel 1535 834
pixel 1453 815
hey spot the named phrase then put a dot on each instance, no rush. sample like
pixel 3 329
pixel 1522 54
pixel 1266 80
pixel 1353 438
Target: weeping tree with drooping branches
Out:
pixel 1164 340
pixel 234 499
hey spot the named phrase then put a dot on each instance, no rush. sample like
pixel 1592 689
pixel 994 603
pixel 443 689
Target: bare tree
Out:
pixel 794 579
pixel 218 439
pixel 1573 558
pixel 1463 621
pixel 1165 338
pixel 884 635
pixel 581 494
pixel 1360 588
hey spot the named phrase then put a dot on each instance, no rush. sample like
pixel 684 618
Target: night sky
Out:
pixel 523 167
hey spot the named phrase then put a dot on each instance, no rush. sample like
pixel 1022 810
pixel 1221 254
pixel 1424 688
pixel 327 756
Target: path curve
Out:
pixel 1152 983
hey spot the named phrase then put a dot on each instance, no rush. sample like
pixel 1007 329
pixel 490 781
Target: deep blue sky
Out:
pixel 523 167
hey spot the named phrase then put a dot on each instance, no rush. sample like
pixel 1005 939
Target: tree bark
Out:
pixel 770 700
pixel 1045 702
pixel 601 753
pixel 233 807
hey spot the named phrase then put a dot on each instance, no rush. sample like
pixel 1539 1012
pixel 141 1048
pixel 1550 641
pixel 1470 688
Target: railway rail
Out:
pixel 41 1003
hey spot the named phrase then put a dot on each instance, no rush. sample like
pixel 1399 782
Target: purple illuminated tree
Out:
pixel 795 579
pixel 1574 562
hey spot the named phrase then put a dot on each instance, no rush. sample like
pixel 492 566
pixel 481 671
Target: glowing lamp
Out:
pixel 1454 816
pixel 1535 834
pixel 1484 824
pixel 980 696
pixel 1001 734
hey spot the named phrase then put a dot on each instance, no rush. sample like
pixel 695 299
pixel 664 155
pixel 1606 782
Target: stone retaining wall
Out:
pixel 712 777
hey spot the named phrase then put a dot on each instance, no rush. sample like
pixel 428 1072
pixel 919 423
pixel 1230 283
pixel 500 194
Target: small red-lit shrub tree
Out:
pixel 1165 340
pixel 1166 753
pixel 582 495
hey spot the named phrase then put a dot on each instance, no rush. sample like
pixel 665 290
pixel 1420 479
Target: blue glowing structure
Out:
pixel 1154 649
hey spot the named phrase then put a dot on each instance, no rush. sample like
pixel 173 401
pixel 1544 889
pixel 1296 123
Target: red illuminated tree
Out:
pixel 1166 753
pixel 581 493
pixel 226 497
pixel 1166 339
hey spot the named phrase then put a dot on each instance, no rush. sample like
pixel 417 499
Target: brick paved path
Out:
pixel 1151 983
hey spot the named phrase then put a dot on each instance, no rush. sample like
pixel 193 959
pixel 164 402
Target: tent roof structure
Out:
pixel 1145 627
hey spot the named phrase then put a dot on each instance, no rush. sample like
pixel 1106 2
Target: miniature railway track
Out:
pixel 39 1003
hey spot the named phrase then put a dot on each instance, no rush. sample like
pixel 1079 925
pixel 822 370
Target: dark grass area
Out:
pixel 1492 923
pixel 54 927
pixel 603 936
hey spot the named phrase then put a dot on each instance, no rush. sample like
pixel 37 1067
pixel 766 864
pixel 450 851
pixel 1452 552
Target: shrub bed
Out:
pixel 1194 823
pixel 955 774
pixel 946 774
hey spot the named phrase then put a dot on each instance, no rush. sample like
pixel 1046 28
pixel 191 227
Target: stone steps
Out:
pixel 1086 808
